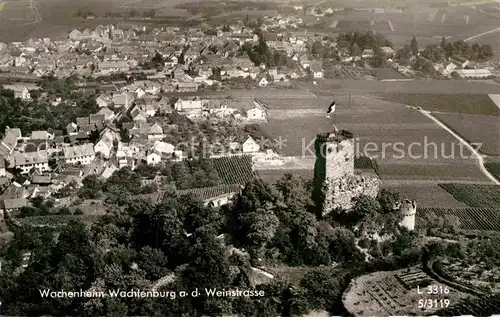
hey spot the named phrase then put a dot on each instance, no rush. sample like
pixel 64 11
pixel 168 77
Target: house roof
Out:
pixel 77 151
pixel 82 121
pixel 156 129
pixel 16 203
pixel 105 112
pixel 41 179
pixel 71 127
pixel 187 85
pixel 163 147
pixel 13 192
pixel 123 98
pixel 316 68
pixel 94 118
pixel 250 140
pixel 39 135
pixel 31 158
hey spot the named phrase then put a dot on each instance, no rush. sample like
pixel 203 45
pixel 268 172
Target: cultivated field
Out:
pixel 428 21
pixel 493 168
pixel 469 218
pixel 234 170
pixel 441 87
pixel 425 195
pixel 476 129
pixel 391 293
pixel 480 104
pixel 475 195
pixel 390 128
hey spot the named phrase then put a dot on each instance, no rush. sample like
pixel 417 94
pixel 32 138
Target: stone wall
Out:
pixel 339 193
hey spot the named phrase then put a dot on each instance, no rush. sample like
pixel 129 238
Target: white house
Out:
pixel 105 144
pixel 125 100
pixel 191 107
pixel 108 67
pixel 317 70
pixel 20 91
pixel 27 161
pixel 258 112
pixel 108 114
pixel 368 53
pixel 139 92
pixel 153 158
pixel 83 154
pixel 104 101
pixel 155 132
pixel 263 82
pixel 474 73
pixel 159 151
pixel 388 51
pixel 250 146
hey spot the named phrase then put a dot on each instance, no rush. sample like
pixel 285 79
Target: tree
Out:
pixel 365 207
pixel 404 54
pixel 388 200
pixel 355 50
pixel 133 13
pixel 414 46
pixel 322 288
pixel 262 227
pixel 443 42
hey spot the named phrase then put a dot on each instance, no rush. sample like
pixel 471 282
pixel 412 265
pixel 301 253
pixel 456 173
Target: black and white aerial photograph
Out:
pixel 250 158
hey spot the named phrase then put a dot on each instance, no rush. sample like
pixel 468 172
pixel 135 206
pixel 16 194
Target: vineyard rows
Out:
pixel 470 218
pixel 367 163
pixel 482 306
pixel 348 73
pixel 493 168
pixel 234 169
pixel 474 195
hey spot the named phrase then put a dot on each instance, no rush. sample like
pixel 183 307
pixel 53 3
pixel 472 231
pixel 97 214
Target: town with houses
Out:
pixel 108 132
pixel 133 72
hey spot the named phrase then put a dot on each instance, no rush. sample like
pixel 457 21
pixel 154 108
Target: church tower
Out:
pixel 334 162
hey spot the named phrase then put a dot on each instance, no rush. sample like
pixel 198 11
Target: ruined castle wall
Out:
pixel 340 193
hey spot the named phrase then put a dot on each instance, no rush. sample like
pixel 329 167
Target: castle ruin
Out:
pixel 335 181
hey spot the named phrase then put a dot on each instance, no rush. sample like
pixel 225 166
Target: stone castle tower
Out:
pixel 408 209
pixel 334 155
pixel 335 182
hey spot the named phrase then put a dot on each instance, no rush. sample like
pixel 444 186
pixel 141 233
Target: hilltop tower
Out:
pixel 334 160
pixel 408 209
pixel 335 181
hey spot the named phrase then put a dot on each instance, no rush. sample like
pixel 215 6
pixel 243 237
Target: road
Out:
pixel 481 34
pixel 35 12
pixel 479 157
